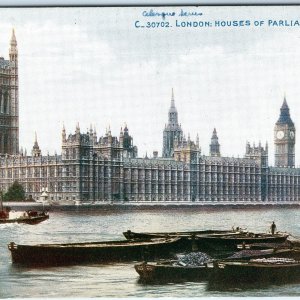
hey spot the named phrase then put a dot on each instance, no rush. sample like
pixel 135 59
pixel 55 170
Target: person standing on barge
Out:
pixel 273 228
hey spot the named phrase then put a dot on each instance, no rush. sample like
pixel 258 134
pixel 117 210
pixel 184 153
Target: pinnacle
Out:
pixel 172 99
pixel 214 135
pixel 13 40
pixel 284 104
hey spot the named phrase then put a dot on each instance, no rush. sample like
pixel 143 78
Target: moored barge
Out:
pixel 169 272
pixel 211 240
pixel 150 235
pixel 231 241
pixel 258 270
pixel 92 252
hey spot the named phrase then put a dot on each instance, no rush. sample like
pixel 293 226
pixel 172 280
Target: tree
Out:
pixel 15 192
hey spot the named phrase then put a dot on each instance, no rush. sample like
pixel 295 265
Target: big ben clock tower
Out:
pixel 284 138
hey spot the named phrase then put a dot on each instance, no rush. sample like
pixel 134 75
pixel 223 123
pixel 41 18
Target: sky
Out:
pixel 92 66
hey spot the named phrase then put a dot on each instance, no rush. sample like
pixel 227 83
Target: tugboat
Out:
pixel 28 217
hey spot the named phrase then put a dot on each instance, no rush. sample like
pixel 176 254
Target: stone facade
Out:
pixel 214 147
pixel 284 136
pixel 172 131
pixel 9 101
pixel 107 169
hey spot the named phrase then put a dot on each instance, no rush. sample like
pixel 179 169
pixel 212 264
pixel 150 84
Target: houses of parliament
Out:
pixel 107 169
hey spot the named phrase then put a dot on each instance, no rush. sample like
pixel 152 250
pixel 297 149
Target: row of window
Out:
pixel 284 179
pixel 229 169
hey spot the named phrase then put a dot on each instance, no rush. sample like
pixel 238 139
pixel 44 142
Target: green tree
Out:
pixel 15 192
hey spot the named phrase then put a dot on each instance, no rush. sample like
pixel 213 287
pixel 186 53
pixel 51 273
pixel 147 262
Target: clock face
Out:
pixel 280 134
pixel 292 134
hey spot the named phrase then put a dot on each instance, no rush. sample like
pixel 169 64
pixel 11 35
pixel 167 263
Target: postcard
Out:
pixel 149 151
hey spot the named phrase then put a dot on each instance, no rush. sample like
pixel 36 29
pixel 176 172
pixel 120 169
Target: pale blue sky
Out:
pixel 92 66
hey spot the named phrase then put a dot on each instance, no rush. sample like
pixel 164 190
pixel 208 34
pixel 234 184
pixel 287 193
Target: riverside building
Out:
pixel 107 169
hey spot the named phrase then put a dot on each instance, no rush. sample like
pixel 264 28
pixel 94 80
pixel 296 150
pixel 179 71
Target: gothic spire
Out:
pixel 77 129
pixel 63 134
pixel 197 140
pixel 284 104
pixel 36 145
pixel 36 149
pixel 285 117
pixel 214 135
pixel 214 145
pixel 173 115
pixel 172 99
pixel 171 130
pixel 13 51
pixel 13 40
pixel 172 107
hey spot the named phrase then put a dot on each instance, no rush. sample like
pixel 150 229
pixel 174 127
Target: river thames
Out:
pixel 120 279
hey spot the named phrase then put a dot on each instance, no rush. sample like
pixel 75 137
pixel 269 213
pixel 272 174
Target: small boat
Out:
pixel 30 217
pixel 150 235
pixel 272 269
pixel 92 252
pixel 195 266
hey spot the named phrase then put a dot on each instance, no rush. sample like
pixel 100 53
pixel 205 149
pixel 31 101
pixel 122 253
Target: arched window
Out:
pixel 5 143
pixel 1 102
pixel 5 104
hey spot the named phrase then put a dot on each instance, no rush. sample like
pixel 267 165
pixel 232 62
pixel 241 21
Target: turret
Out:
pixel 36 149
pixel 91 131
pixel 95 136
pixel 13 49
pixel 257 153
pixel 172 130
pixel 121 137
pixel 214 145
pixel 284 138
pixel 109 136
pixel 77 132
pixel 63 135
pixel 197 141
pixel 127 140
pixel 13 140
